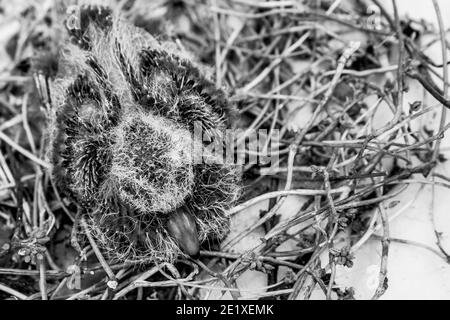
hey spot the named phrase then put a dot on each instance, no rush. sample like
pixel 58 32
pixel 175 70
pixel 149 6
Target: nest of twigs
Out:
pixel 317 76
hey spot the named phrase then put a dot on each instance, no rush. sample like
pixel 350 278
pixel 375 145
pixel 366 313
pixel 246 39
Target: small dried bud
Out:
pixel 416 105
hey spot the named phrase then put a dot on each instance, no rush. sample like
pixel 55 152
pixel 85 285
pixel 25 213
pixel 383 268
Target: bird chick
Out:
pixel 124 107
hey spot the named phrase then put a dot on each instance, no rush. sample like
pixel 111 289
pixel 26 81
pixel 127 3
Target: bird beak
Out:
pixel 181 226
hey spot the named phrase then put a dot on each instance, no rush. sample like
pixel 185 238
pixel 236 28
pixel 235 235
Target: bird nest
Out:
pixel 325 83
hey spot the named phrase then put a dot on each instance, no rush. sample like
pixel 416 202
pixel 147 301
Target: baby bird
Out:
pixel 124 107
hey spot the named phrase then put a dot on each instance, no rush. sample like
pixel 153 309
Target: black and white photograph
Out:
pixel 241 152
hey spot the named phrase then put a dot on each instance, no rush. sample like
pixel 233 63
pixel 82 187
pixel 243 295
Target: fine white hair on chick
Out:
pixel 124 107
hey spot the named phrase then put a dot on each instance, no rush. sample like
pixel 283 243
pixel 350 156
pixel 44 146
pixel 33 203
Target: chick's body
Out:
pixel 124 110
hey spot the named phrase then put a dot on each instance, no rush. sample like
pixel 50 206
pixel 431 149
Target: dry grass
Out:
pixel 284 63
